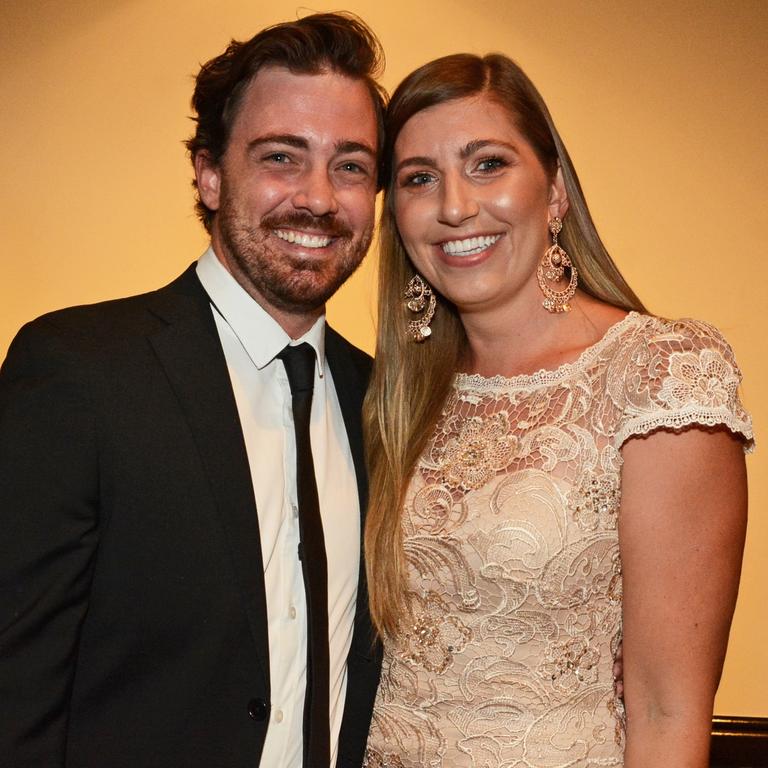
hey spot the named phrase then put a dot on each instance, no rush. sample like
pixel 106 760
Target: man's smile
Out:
pixel 304 239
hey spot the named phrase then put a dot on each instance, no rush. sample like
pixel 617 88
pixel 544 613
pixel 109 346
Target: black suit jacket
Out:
pixel 132 604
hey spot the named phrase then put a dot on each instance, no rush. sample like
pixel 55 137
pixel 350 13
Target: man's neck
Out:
pixel 294 323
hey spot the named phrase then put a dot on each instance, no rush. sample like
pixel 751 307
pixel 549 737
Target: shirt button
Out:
pixel 292 612
pixel 279 716
pixel 295 510
pixel 258 709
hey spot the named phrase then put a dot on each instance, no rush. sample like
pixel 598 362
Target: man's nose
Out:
pixel 315 193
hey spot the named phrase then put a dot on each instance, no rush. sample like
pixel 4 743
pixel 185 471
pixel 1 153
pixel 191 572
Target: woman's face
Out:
pixel 472 203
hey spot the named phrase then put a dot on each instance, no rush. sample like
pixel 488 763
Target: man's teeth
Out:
pixel 303 239
pixel 470 246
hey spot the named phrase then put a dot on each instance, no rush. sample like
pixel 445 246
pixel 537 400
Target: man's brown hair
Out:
pixel 322 42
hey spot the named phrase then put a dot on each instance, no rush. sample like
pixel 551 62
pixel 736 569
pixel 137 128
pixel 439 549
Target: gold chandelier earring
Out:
pixel 419 298
pixel 552 268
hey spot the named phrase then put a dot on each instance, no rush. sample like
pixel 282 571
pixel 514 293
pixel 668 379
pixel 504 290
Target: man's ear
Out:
pixel 208 177
pixel 558 197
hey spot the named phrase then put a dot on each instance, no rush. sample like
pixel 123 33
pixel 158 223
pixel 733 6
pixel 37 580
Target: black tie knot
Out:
pixel 299 362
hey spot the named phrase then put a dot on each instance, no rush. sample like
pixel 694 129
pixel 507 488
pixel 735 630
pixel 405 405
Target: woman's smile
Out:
pixel 473 201
pixel 469 246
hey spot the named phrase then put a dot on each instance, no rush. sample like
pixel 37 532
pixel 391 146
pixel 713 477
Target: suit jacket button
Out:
pixel 258 709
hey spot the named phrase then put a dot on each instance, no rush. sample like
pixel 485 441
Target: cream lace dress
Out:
pixel 511 538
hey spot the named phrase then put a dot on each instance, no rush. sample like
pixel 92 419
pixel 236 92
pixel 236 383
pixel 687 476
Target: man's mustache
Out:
pixel 327 224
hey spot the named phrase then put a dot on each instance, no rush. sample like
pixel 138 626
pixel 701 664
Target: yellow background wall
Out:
pixel 662 105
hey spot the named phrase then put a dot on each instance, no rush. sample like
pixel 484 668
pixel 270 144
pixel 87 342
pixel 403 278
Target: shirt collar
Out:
pixel 260 334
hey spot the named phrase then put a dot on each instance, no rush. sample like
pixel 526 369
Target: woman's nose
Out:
pixel 457 201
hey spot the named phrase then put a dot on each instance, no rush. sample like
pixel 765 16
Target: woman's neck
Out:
pixel 525 338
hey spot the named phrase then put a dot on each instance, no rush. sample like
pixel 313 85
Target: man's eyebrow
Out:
pixel 289 139
pixel 299 142
pixel 349 147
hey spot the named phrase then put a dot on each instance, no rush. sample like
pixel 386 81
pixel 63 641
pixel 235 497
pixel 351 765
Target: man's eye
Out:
pixel 355 168
pixel 278 157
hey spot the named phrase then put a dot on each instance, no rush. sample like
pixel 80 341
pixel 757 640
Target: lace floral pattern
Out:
pixel 594 501
pixel 482 448
pixel 435 635
pixel 571 664
pixel 705 378
pixel 512 543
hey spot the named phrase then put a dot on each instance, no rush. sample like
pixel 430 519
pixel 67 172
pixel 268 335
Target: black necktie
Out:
pixel 299 362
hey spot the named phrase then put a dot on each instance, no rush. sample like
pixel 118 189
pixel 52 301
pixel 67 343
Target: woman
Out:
pixel 552 469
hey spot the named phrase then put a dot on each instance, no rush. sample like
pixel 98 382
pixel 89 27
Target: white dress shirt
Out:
pixel 251 339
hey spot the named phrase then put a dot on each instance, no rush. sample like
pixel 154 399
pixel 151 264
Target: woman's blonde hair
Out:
pixel 412 381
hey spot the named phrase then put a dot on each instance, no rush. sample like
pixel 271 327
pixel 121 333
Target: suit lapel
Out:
pixel 189 350
pixel 350 384
pixel 350 381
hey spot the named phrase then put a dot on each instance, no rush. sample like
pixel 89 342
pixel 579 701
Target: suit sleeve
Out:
pixel 48 535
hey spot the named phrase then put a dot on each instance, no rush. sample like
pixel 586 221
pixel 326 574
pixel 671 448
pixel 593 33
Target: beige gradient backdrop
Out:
pixel 662 106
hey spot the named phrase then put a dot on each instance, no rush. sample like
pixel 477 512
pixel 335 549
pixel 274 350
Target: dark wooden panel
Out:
pixel 739 742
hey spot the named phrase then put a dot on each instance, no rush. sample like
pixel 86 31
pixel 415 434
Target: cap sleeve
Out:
pixel 678 374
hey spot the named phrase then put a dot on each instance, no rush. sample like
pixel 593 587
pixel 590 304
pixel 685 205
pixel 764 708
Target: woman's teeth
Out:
pixel 469 246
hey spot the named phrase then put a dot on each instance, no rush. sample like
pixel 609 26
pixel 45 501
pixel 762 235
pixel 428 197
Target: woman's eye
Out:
pixel 491 164
pixel 417 179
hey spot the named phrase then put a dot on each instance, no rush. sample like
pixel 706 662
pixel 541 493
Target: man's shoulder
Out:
pixel 102 316
pixel 106 324
pixel 339 347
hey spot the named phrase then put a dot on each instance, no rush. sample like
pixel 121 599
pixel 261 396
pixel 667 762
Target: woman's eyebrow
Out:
pixel 415 160
pixel 471 147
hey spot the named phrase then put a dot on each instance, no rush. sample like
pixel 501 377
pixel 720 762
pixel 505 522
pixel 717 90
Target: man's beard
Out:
pixel 289 283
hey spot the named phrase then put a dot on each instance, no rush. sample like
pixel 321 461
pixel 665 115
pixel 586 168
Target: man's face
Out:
pixel 294 191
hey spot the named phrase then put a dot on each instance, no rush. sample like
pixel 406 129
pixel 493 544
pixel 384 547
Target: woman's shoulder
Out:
pixel 673 373
pixel 675 335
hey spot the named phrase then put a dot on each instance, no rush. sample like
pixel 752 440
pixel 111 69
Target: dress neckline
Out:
pixel 545 376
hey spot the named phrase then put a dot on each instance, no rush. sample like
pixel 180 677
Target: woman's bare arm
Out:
pixel 681 530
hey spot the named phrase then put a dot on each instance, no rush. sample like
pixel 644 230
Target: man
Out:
pixel 153 608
